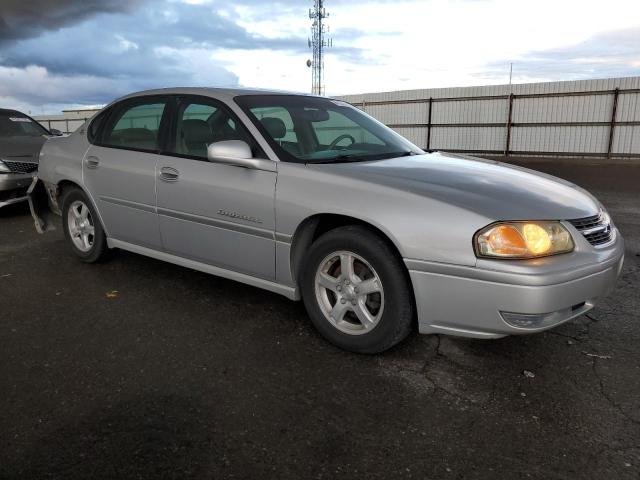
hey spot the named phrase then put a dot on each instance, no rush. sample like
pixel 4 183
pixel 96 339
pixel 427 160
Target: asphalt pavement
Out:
pixel 134 368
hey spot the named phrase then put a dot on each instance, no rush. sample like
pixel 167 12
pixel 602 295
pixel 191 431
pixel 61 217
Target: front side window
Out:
pixel 278 118
pixel 309 129
pixel 14 124
pixel 136 127
pixel 199 124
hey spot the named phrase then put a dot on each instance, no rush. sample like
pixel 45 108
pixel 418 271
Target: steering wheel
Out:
pixel 335 143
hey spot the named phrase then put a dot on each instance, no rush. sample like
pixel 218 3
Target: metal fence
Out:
pixel 555 119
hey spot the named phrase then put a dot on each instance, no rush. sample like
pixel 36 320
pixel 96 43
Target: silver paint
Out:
pixel 429 206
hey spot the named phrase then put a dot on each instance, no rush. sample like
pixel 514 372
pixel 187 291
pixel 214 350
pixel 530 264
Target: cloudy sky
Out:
pixel 65 53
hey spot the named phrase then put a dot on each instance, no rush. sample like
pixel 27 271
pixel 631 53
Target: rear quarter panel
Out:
pixel 61 158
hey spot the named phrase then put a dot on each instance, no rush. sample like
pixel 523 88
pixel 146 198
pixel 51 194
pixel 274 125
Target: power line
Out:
pixel 317 43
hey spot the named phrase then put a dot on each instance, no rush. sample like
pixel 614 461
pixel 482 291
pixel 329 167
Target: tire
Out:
pixel 83 221
pixel 338 303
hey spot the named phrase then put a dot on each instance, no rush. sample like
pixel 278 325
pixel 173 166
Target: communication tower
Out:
pixel 317 43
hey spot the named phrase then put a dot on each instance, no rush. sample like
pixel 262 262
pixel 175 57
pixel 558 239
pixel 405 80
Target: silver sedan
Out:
pixel 311 198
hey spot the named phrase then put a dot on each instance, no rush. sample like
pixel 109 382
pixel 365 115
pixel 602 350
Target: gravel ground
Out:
pixel 135 368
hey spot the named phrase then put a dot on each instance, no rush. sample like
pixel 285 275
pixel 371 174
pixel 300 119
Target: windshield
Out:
pixel 14 124
pixel 308 129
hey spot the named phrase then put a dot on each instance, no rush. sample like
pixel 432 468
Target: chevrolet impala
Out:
pixel 311 198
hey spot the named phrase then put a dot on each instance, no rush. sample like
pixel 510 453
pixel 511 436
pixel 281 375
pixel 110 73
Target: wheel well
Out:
pixel 65 185
pixel 55 192
pixel 313 227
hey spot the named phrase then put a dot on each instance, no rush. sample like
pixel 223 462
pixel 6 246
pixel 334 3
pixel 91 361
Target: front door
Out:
pixel 120 170
pixel 217 214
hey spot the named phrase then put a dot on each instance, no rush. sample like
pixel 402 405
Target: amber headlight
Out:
pixel 523 240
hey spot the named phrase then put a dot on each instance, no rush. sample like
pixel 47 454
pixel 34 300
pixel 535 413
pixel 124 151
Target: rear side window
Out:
pixel 136 126
pixel 96 123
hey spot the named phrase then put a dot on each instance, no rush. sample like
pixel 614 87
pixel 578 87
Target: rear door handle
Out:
pixel 92 162
pixel 169 174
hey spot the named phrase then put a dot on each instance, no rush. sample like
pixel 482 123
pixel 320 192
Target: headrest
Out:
pixel 196 131
pixel 274 126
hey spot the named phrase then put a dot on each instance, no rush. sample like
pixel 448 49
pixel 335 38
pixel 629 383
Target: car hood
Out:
pixel 497 190
pixel 21 149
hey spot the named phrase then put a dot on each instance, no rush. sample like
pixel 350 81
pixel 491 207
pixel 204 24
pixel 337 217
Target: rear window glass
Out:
pixel 137 127
pixel 14 124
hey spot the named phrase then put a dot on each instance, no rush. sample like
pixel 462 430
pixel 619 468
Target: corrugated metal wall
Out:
pixel 570 118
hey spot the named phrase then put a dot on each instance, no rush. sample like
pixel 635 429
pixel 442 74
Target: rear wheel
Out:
pixel 357 291
pixel 82 229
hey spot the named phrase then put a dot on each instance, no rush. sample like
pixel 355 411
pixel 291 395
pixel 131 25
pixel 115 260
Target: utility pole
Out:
pixel 317 43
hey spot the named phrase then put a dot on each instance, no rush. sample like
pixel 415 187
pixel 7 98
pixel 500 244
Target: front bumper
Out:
pixel 13 187
pixel 484 303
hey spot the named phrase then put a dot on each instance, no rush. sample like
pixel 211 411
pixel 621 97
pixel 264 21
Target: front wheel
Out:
pixel 357 291
pixel 82 229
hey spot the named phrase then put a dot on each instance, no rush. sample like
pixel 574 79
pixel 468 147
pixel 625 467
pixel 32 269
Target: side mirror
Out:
pixel 55 132
pixel 238 153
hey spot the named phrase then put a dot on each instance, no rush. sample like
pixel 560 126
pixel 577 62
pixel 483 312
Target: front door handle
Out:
pixel 92 162
pixel 169 174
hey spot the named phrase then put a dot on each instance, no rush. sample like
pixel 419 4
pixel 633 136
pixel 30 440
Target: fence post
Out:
pixel 429 124
pixel 612 125
pixel 508 142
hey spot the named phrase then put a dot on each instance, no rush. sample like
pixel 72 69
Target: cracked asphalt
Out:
pixel 177 374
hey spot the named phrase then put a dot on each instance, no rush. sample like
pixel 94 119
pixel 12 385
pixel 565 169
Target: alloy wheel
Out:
pixel 80 225
pixel 349 292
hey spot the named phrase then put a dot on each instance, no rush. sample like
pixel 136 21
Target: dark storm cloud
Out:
pixel 610 54
pixel 28 18
pixel 128 42
pixel 91 52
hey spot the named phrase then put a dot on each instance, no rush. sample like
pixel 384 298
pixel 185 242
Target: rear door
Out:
pixel 120 169
pixel 222 215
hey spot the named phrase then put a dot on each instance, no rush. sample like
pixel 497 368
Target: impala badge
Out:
pixel 239 216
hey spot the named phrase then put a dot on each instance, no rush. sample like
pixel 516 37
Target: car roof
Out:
pixel 216 92
pixel 10 110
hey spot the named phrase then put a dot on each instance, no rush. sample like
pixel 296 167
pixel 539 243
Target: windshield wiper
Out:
pixel 352 157
pixel 403 154
pixel 344 158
